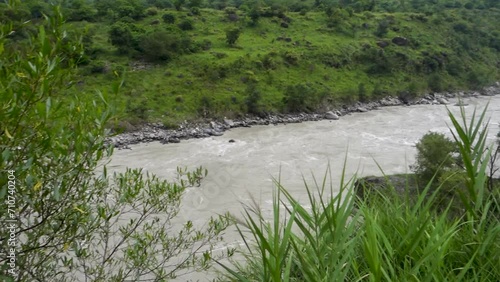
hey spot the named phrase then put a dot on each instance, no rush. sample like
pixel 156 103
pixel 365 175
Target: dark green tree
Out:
pixel 436 154
pixel 232 36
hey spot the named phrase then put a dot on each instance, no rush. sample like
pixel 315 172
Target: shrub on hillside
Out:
pixel 163 46
pixel 186 25
pixel 300 98
pixel 232 36
pixel 122 37
pixel 152 11
pixel 168 18
pixel 253 97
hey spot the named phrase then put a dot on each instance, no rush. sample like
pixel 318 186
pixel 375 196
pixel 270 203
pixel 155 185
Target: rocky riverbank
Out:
pixel 158 132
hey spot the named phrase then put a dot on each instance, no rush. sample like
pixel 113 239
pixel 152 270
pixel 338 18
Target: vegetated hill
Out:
pixel 186 60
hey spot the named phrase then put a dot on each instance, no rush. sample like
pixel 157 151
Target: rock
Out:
pixel 231 141
pixel 382 44
pixel 424 102
pixel 229 122
pixel 174 140
pixel 490 91
pixel 361 110
pixel 217 133
pixel 443 101
pixel 400 41
pixel 461 104
pixel 331 115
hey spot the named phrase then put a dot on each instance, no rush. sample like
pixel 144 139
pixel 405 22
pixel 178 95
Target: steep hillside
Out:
pixel 188 62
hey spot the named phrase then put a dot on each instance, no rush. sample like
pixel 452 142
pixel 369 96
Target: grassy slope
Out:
pixel 201 84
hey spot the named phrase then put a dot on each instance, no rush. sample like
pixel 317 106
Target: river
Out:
pixel 294 152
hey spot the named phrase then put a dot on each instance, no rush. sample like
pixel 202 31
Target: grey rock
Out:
pixel 400 41
pixel 331 115
pixel 443 101
pixel 229 122
pixel 382 44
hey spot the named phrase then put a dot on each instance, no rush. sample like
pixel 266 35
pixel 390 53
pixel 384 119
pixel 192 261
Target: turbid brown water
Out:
pixel 293 153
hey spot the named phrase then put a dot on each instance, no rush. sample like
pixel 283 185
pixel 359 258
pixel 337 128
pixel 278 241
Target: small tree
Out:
pixel 168 18
pixel 121 37
pixel 435 155
pixel 186 25
pixel 253 98
pixel 232 36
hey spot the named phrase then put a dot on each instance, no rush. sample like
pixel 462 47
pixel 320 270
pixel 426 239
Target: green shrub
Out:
pixel 435 82
pixel 362 95
pixel 435 155
pixel 186 25
pixel 163 46
pixel 252 100
pixel 232 36
pixel 152 11
pixel 122 37
pixel 168 18
pixel 300 98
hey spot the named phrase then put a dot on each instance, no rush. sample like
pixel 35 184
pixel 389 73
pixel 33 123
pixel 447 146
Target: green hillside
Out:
pixel 197 59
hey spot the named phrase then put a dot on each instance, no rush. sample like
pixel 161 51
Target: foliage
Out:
pixel 168 18
pixel 232 36
pixel 434 156
pixel 253 99
pixel 122 37
pixel 300 97
pixel 163 46
pixel 186 25
pixel 72 219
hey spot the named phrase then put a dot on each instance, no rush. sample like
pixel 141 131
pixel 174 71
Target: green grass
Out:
pixel 332 60
pixel 388 238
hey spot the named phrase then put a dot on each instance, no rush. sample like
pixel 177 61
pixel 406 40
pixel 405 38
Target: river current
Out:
pixel 294 153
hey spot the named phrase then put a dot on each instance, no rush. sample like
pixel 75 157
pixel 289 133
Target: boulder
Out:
pixel 331 115
pixel 229 122
pixel 382 44
pixel 400 41
pixel 443 101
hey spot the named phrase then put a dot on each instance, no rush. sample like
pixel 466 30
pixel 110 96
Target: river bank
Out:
pixel 158 132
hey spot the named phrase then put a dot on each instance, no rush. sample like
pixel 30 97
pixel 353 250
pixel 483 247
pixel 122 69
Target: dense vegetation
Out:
pixel 192 59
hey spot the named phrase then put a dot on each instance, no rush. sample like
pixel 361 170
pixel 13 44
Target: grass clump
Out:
pixel 385 238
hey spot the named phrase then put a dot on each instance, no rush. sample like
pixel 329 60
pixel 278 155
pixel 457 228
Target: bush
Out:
pixel 122 38
pixel 98 66
pixel 435 155
pixel 152 11
pixel 435 82
pixel 232 36
pixel 300 98
pixel 163 46
pixel 186 25
pixel 253 98
pixel 168 18
pixel 362 95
